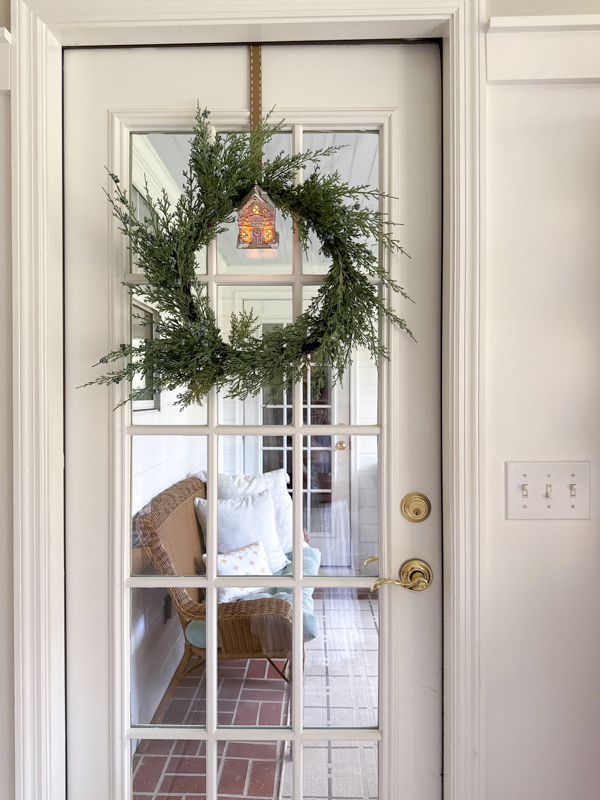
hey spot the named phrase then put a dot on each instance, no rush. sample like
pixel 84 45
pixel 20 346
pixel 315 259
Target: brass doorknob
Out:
pixel 415 507
pixel 415 575
pixel 338 447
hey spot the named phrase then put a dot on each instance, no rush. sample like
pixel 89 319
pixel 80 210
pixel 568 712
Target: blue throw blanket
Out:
pixel 311 559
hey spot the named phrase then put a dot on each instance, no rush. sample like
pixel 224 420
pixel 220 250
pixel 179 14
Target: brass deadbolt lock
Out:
pixel 415 507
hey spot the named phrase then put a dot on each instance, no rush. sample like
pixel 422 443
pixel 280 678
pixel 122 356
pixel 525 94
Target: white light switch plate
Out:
pixel 528 484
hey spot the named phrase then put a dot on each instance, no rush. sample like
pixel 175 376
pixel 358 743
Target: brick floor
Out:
pixel 250 693
pixel 340 690
pixel 249 770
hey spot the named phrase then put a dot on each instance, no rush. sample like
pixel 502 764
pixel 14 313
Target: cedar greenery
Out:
pixel 189 352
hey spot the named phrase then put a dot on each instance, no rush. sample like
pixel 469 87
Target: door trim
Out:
pixel 36 107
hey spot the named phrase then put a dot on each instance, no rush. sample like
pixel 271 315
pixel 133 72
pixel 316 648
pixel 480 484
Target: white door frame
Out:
pixel 36 69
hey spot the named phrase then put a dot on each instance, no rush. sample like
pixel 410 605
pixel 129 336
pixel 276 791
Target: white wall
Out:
pixel 541 638
pixel 160 461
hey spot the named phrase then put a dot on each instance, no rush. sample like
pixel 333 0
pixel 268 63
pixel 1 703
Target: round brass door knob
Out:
pixel 415 507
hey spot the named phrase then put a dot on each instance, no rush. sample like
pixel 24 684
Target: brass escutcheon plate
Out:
pixel 415 507
pixel 416 570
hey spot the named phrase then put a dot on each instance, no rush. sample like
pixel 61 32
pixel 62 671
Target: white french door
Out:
pixel 361 717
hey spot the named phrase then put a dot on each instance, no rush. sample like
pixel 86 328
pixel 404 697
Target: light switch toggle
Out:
pixel 549 491
pixel 573 489
pixel 525 490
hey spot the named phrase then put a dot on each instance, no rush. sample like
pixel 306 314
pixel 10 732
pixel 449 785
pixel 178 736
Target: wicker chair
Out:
pixel 170 534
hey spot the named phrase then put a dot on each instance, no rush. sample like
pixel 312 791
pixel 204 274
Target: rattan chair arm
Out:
pixel 265 607
pixel 251 627
pixel 247 628
pixel 241 609
pixel 191 611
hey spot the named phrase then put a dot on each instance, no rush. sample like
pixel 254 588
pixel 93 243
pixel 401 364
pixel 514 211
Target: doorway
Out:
pixel 383 104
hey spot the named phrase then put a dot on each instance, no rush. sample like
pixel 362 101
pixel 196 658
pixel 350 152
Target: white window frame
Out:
pixel 36 65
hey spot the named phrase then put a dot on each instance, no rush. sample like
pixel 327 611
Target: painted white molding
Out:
pixel 4 60
pixel 37 232
pixel 120 464
pixel 38 409
pixel 90 22
pixel 554 22
pixel 543 49
pixel 95 13
pixel 462 331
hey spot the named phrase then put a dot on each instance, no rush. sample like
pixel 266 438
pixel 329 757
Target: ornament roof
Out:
pixel 258 194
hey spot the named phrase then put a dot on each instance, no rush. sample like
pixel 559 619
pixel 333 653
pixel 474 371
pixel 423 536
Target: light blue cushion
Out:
pixel 311 559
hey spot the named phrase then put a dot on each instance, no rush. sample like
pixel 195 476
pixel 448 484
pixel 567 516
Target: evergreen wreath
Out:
pixel 189 352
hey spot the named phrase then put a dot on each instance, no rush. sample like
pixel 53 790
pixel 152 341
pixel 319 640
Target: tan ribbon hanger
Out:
pixel 255 85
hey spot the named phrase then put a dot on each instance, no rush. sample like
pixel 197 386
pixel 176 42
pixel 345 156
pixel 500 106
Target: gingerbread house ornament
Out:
pixel 256 220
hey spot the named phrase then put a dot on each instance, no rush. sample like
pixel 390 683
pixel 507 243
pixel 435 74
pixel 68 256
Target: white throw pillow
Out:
pixel 276 482
pixel 249 560
pixel 242 521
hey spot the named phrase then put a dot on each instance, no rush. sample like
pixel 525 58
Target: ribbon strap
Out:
pixel 255 85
